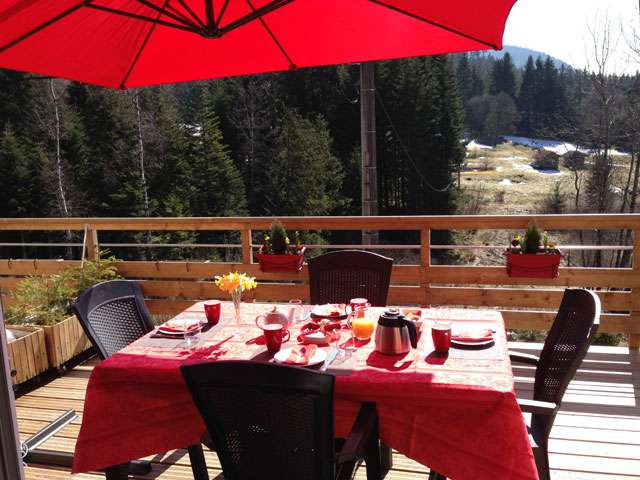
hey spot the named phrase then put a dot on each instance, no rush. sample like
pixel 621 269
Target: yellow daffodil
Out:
pixel 234 281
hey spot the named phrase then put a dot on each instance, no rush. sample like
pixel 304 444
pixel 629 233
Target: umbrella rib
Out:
pixel 435 24
pixel 163 11
pixel 155 21
pixel 257 13
pixel 42 26
pixel 142 47
pixel 192 13
pixel 222 10
pixel 273 37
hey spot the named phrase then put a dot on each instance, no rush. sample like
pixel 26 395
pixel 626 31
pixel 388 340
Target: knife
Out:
pixel 330 358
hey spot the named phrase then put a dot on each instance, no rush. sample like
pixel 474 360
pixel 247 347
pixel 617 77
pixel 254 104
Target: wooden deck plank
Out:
pixel 596 435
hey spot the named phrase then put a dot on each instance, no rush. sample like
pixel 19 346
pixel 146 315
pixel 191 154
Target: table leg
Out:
pixel 117 472
pixel 386 459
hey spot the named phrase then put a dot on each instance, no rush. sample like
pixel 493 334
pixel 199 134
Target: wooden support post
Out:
pixel 425 263
pixel 634 338
pixel 90 246
pixel 368 148
pixel 247 257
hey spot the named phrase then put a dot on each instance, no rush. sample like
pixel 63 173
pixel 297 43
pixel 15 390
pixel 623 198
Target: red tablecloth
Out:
pixel 457 415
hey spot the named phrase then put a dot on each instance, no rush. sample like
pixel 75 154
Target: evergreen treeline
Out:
pixel 289 143
pixel 275 144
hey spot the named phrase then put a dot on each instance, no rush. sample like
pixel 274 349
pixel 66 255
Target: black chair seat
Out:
pixel 272 422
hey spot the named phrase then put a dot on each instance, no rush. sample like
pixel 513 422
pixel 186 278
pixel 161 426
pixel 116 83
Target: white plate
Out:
pixel 177 324
pixel 471 344
pixel 318 357
pixel 168 332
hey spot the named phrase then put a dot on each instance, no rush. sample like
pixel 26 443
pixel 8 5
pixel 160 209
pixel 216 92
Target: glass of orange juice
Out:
pixel 362 324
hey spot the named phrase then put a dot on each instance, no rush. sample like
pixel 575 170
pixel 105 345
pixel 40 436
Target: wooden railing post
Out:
pixel 90 246
pixel 634 338
pixel 247 257
pixel 425 263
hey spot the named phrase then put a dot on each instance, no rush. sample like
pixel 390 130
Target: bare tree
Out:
pixel 62 198
pixel 143 177
pixel 601 118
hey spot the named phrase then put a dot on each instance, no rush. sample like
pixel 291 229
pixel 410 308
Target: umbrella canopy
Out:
pixel 131 43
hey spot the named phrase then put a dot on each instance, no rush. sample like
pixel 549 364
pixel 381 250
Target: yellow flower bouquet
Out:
pixel 234 284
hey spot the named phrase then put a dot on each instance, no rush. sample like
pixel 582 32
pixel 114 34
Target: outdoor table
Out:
pixel 456 413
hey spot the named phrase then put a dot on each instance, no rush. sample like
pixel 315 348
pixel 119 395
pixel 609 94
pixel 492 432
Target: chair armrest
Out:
pixel 366 424
pixel 523 358
pixel 537 408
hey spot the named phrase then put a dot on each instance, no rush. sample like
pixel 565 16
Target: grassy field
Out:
pixel 500 180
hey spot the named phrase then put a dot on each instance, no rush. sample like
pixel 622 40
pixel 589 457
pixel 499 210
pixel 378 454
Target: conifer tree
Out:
pixel 19 177
pixel 305 177
pixel 503 78
pixel 526 96
pixel 216 187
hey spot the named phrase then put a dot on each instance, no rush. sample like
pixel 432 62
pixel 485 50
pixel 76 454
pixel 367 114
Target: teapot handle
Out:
pixel 413 332
pixel 263 316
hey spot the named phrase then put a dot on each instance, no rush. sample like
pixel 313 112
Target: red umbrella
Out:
pixel 131 43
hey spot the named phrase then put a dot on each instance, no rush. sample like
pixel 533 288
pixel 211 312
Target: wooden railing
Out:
pixel 526 303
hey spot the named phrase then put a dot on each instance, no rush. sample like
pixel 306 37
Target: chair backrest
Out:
pixel 337 277
pixel 113 315
pixel 567 343
pixel 267 421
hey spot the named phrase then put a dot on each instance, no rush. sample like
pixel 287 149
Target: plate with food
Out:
pixel 333 311
pixel 303 355
pixel 322 333
pixel 475 338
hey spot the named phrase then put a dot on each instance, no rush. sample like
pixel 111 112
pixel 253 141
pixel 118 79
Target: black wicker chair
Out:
pixel 275 422
pixel 113 315
pixel 337 277
pixel 564 349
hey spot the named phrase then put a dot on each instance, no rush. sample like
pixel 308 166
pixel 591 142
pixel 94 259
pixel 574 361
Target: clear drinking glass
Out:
pixel 191 334
pixel 297 311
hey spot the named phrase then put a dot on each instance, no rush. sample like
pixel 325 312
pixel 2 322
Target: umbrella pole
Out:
pixel 368 147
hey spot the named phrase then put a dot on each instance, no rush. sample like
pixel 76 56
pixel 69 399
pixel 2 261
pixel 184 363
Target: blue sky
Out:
pixel 560 28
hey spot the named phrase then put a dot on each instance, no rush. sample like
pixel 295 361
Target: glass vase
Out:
pixel 236 297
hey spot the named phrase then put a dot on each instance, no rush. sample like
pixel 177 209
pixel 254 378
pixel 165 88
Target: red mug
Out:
pixel 212 311
pixel 275 335
pixel 441 335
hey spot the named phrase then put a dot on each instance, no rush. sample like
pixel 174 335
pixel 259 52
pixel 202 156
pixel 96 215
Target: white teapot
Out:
pixel 275 316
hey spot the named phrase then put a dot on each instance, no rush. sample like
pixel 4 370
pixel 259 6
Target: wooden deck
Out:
pixel 596 435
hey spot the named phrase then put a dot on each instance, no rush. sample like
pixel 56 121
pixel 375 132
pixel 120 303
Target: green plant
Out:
pixel 47 299
pixel 532 238
pixel 279 239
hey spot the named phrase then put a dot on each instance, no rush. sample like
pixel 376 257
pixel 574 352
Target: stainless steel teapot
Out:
pixel 395 334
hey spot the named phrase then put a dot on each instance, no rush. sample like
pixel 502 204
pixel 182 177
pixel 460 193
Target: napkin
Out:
pixel 301 355
pixel 473 336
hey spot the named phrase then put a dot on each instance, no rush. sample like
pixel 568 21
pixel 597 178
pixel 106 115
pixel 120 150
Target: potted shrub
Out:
pixel 276 253
pixel 45 301
pixel 533 255
pixel 27 352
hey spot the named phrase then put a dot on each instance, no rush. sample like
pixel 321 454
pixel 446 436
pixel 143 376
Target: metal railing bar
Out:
pixel 328 246
pixel 40 244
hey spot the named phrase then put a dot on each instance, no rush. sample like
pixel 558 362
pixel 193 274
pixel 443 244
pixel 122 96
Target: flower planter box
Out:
pixel 280 263
pixel 28 353
pixel 65 340
pixel 533 265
